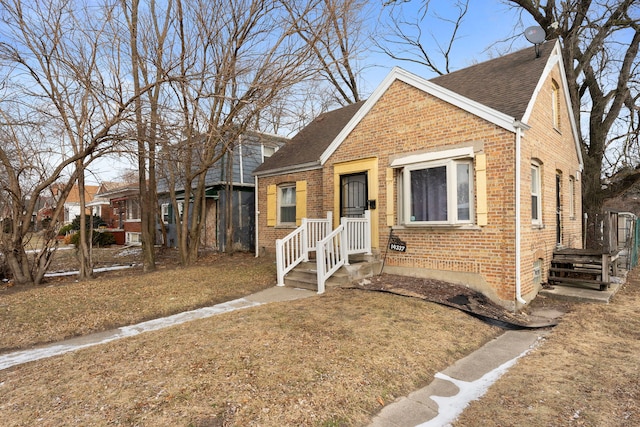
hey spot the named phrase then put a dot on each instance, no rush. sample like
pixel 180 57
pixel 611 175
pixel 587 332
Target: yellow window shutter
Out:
pixel 481 189
pixel 271 205
pixel 391 202
pixel 301 201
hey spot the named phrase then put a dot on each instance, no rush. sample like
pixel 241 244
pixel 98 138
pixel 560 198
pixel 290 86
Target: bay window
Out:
pixel 438 192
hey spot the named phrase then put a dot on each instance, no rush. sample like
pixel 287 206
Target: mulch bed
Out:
pixel 452 295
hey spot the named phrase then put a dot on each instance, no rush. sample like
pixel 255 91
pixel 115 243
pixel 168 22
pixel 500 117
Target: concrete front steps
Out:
pixel 305 275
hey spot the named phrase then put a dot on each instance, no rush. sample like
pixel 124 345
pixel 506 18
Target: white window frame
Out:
pixel 130 217
pixel 164 213
pixel 536 192
pixel 452 192
pixel 572 197
pixel 133 238
pixel 268 151
pixel 281 204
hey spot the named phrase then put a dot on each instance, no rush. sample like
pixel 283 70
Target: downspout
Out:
pixel 257 212
pixel 518 127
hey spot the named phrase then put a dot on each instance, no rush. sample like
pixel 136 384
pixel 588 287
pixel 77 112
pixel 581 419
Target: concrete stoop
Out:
pixel 305 275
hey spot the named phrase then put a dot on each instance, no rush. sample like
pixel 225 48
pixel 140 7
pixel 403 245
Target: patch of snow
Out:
pixel 129 252
pixel 95 270
pixel 450 408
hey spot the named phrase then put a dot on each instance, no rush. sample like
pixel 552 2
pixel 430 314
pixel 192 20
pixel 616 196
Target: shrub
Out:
pixel 65 229
pixel 99 238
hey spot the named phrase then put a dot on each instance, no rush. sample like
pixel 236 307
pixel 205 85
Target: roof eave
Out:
pixel 303 167
pixel 489 114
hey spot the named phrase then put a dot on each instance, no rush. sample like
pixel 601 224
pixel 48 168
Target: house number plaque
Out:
pixel 395 244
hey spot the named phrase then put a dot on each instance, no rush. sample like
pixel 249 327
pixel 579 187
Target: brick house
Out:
pixel 477 172
pixel 122 213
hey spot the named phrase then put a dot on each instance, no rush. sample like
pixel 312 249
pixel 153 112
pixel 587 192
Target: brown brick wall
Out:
pixel 406 120
pixel 267 235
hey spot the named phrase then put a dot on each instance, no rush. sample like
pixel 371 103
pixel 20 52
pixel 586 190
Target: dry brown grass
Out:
pixel 585 374
pixel 323 361
pixel 63 307
pixel 328 360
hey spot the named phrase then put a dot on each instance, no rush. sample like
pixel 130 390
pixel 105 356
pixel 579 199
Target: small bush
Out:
pixel 99 239
pixel 65 229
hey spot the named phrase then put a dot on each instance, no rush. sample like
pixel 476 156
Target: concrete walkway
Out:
pixel 436 405
pixel 273 294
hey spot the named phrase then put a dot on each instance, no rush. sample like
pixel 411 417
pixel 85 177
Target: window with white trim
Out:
pixel 572 197
pixel 133 209
pixel 437 192
pixel 165 212
pixel 287 204
pixel 536 194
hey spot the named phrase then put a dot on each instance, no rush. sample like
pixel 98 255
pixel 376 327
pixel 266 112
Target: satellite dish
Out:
pixel 535 35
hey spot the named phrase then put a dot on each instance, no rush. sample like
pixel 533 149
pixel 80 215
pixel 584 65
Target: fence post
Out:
pixel 344 241
pixel 367 231
pixel 280 262
pixel 305 251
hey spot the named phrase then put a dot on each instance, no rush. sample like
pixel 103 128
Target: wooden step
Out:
pixel 575 281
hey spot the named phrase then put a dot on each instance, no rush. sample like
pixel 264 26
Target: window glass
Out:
pixel 429 194
pixel 288 204
pixel 535 193
pixel 464 191
pixel 437 192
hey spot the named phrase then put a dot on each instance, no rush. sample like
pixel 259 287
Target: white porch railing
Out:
pixel 358 234
pixel 353 236
pixel 295 247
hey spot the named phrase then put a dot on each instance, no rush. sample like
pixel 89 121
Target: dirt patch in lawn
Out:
pixel 452 295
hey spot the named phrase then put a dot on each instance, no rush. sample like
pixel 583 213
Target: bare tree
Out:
pixel 59 111
pixel 600 51
pixel 334 30
pixel 405 37
pixel 236 57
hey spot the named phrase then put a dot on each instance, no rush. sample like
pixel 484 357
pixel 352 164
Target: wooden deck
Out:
pixel 583 267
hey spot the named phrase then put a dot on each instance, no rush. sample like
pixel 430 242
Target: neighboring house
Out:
pixel 250 151
pixel 72 203
pixel 477 172
pixel 122 214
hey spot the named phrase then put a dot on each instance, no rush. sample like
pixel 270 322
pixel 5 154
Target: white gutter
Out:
pixel 519 127
pixel 257 212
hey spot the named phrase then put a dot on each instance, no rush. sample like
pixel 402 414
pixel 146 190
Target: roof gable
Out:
pixel 306 147
pixel 502 91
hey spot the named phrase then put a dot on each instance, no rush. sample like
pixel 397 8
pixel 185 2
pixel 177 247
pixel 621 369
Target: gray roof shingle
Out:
pixel 505 84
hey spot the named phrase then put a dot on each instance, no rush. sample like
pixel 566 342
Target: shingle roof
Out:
pixel 505 84
pixel 307 146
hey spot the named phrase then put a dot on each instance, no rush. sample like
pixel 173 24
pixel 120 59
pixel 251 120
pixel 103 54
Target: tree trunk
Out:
pixel 84 257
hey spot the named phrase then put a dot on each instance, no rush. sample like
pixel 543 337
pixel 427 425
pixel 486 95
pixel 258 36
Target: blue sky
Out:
pixel 486 22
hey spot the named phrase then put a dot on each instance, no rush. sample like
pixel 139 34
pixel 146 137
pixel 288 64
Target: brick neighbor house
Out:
pixel 475 175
